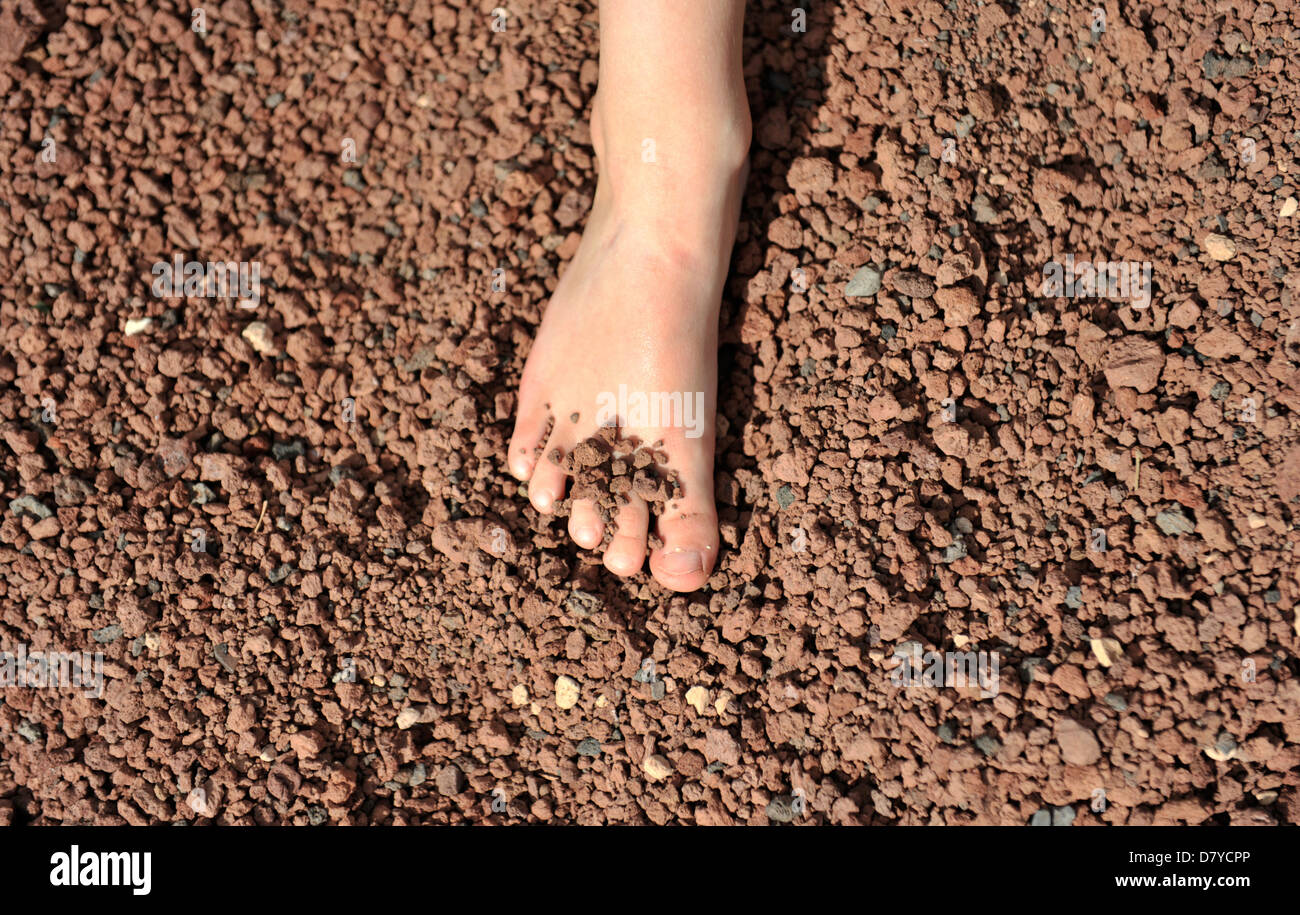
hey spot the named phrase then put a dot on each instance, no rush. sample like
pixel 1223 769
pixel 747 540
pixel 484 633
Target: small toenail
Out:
pixel 683 562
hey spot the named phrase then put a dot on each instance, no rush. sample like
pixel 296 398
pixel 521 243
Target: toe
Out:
pixel 689 530
pixel 585 526
pixel 532 426
pixel 546 485
pixel 625 554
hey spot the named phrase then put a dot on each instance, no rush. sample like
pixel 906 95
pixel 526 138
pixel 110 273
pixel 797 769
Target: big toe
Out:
pixel 688 528
pixel 532 428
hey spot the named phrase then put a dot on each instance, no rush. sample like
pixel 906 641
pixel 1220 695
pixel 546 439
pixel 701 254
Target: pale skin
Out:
pixel 639 303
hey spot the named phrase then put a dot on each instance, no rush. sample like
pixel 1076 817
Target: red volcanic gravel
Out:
pixel 287 524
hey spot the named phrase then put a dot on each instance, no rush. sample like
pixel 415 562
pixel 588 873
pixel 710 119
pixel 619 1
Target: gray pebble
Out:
pixel 982 209
pixel 780 809
pixel 1173 522
pixel 107 634
pixel 31 505
pixel 865 282
pixel 785 496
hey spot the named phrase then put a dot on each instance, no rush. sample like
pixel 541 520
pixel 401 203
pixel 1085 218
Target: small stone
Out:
pixel 1078 745
pixel 1134 362
pixel 657 767
pixel 1041 818
pixel 45 529
pixel 780 809
pixel 1219 247
pixel 1107 651
pixel 259 338
pixel 136 326
pixel 307 744
pixel 866 282
pixel 884 408
pixel 987 745
pixel 721 747
pixel 1184 314
pixel 785 497
pixel 959 305
pixel 1062 816
pixel 1074 597
pixel 108 634
pixel 450 781
pixel 1289 206
pixel 407 717
pixel 589 746
pixel 952 440
pixel 1223 749
pixel 697 697
pixel 1219 343
pixel 566 692
pixel 31 505
pixel 519 695
pixel 1173 522
pixel 810 175
pixel 205 801
pixel 982 210
pixel 911 283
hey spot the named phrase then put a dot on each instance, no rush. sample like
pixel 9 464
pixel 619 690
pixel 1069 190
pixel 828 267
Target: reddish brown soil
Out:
pixel 856 515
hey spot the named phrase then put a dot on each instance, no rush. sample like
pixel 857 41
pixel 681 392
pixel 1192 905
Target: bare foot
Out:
pixel 631 336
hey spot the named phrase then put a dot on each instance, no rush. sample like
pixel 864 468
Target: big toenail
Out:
pixel 683 562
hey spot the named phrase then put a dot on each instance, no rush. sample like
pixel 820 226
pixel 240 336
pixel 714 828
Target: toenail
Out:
pixel 682 562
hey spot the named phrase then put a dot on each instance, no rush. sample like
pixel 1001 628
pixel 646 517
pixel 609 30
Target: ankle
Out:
pixel 698 149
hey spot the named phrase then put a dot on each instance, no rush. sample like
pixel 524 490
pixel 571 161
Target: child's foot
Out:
pixel 634 317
